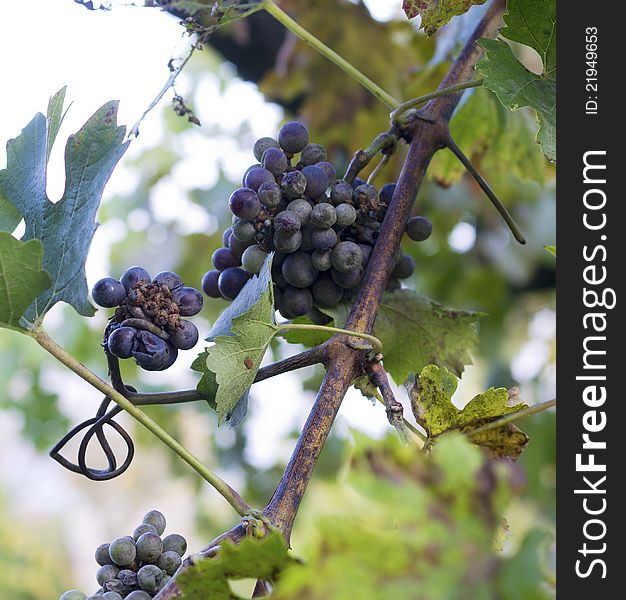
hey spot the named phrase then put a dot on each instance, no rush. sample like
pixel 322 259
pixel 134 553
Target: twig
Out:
pixel 362 158
pixel 471 169
pixel 378 168
pixel 511 417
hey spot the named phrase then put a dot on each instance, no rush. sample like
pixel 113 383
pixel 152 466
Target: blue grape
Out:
pixel 316 181
pixel 168 278
pixel 102 555
pixel 245 204
pixel 357 182
pixel 323 215
pixel 237 247
pixel 243 178
pixel 302 208
pixel 169 562
pixel 149 577
pixel 189 301
pixel 312 153
pixel 346 257
pixel 223 258
pixel 185 336
pixel 231 282
pixel 293 184
pixel 293 137
pixel 326 292
pixel 138 595
pixel 275 161
pixel 341 192
pixel 157 519
pixel 287 222
pixel 121 342
pixel 209 284
pixel 270 194
pixel 176 543
pixel 365 194
pixel 108 292
pixel 243 231
pixel 328 169
pixel 122 550
pixel 346 214
pixel 261 145
pixel 153 354
pixel 133 276
pixel 321 259
pixel 348 280
pixel 257 177
pixel 105 573
pixel 149 547
pixel 404 267
pixel 128 577
pixel 287 242
pixel 226 236
pixel 298 270
pixel 295 302
pixel 253 259
pixel 324 239
pixel 386 193
pixel 419 228
pixel 112 596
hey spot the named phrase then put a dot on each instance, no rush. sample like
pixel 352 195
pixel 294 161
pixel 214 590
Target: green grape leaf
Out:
pixel 250 559
pixel 9 215
pixel 551 250
pixel 65 228
pixel 241 334
pixel 21 278
pixel 533 24
pixel 431 402
pixel 436 13
pixel 207 386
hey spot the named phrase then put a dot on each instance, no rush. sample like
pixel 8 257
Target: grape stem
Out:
pixel 282 17
pixel 384 141
pixel 480 180
pixel 63 356
pixel 511 417
pixel 377 345
pixel 420 100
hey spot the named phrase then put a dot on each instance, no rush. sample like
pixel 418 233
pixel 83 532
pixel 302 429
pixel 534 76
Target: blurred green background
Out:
pixel 166 208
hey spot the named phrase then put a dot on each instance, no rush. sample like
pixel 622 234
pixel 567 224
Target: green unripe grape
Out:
pixel 346 215
pixel 102 555
pixel 122 551
pixel 149 547
pixel 253 259
pixel 143 528
pixel 149 577
pixel 73 595
pixel 169 561
pixel 155 518
pixel 138 595
pixel 105 573
pixel 176 543
pixel 302 208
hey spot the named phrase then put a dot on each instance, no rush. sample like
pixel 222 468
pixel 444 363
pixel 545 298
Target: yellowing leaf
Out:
pixel 436 13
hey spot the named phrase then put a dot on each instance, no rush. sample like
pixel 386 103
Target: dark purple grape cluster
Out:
pixel 320 228
pixel 147 324
pixel 137 566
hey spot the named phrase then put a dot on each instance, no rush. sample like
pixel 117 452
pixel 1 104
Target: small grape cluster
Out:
pixel 136 567
pixel 320 228
pixel 147 323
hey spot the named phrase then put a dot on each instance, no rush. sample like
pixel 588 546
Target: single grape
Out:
pixel 121 342
pixel 321 259
pixel 189 301
pixel 318 317
pixel 293 184
pixel 349 280
pixel 341 192
pixel 261 145
pixel 365 195
pixel 209 284
pixel 231 282
pixel 257 177
pixel 357 182
pixel 149 547
pixel 105 573
pixel 97 596
pixel 122 550
pixel 404 267
pixel 346 214
pixel 133 276
pixel 128 577
pixel 419 228
pixel 326 292
pixel 287 222
pixel 366 251
pixel 312 153
pixel 245 174
pixel 323 215
pixel 176 543
pixel 112 596
pixel 298 270
pixel 328 169
pixel 114 585
pixel 316 181
pixel 185 336
pixel 102 555
pixel 169 562
pixel 156 519
pixel 346 257
pixel 138 595
pixel 293 137
pixel 153 354
pixel 223 258
pixel 295 302
pixel 237 247
pixel 245 204
pixel 393 285
pixel 108 292
pixel 270 194
pixel 149 577
pixel 73 595
pixel 287 242
pixel 243 231
pixel 323 239
pixel 253 259
pixel 275 161
pixel 168 278
pixel 302 208
pixel 226 236
pixel 368 235
pixel 386 193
